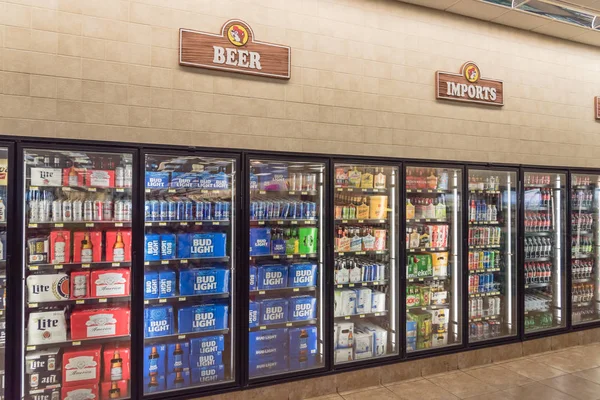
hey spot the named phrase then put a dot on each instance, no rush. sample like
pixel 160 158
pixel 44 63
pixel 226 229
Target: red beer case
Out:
pixel 96 241
pixel 87 392
pixel 118 250
pixel 99 322
pixel 110 282
pixel 60 247
pixel 77 289
pixel 100 178
pixel 81 366
pixel 115 362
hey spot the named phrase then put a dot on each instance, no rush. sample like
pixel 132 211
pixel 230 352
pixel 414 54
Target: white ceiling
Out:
pixel 523 20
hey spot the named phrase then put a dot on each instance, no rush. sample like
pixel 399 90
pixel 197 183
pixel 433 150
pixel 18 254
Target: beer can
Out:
pixel 276 209
pixel 207 210
pixel 67 211
pixel 163 210
pixel 199 216
pixel 171 210
pixel 473 330
pixel 218 210
pixel 189 210
pixel 155 210
pixel 88 210
pixel 486 330
pixel 77 211
pixel 226 213
pixel 180 210
pixel 98 210
pixel 269 210
pixel 148 210
pixel 293 210
pixel 285 210
pixel 107 209
pixel 253 210
pixel 300 210
pixel 479 330
pixel 56 211
pixel 119 210
pixel 127 210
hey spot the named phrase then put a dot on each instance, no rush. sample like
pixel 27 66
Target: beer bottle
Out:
pixel 153 384
pixel 116 367
pixel 178 358
pixel 179 382
pixel 115 391
pixel 119 248
pixel 153 364
pixel 303 348
pixel 86 249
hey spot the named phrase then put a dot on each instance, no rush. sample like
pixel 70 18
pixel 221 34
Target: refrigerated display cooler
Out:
pixel 189 274
pixel 365 262
pixel 433 257
pixel 544 250
pixel 492 260
pixel 585 236
pixel 286 260
pixel 77 273
pixel 4 196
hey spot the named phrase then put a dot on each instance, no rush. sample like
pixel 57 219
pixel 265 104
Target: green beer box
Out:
pixel 419 265
pixel 423 320
pixel 308 240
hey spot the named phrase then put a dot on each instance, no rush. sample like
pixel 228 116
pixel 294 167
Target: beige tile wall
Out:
pixel 362 80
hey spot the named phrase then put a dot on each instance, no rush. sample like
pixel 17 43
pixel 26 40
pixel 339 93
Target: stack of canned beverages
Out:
pixel 582 198
pixel 187 210
pixel 484 330
pixel 482 283
pixel 484 260
pixel 358 269
pixel 282 209
pixel 485 236
pixel 484 307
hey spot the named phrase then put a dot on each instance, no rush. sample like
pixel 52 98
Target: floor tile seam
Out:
pixel 558 389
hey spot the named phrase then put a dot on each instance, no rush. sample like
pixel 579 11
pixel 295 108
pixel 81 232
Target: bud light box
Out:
pixel 178 380
pixel 151 285
pixel 273 311
pixel 157 180
pixel 155 358
pixel 270 343
pixel 254 313
pixel 206 360
pixel 178 356
pixel 274 177
pixel 203 281
pixel 260 241
pixel 167 247
pixel 185 180
pixel 199 245
pixel 209 180
pixel 302 275
pixel 167 283
pixel 207 344
pixel 302 308
pixel 272 277
pixel 303 347
pixel 152 248
pixel 265 366
pixel 253 277
pixel 158 321
pixel 201 318
pixel 208 374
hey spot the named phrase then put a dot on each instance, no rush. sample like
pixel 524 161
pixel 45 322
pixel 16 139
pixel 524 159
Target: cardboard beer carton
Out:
pixel 151 284
pixel 302 308
pixel 116 364
pixel 46 327
pixel 268 366
pixel 208 374
pixel 155 360
pixel 203 281
pixel 80 284
pixel 100 322
pixel 116 389
pixel 158 321
pixel 157 180
pixel 207 344
pixel 206 360
pixel 152 247
pixel 81 366
pixel 343 355
pixel 112 282
pixel 273 311
pixel 254 314
pixel 118 251
pixel 100 178
pixel 201 245
pixel 253 278
pixel 178 380
pixel 46 176
pixel 95 238
pixel 268 344
pixel 167 283
pixel 43 369
pixel 178 356
pixel 60 247
pixel 260 241
pixel 47 287
pixel 168 246
pixel 302 348
pixel 87 392
pixel 272 277
pixel 302 275
pixel 201 318
pixel 419 265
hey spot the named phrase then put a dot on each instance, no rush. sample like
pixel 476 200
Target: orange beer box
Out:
pixel 99 322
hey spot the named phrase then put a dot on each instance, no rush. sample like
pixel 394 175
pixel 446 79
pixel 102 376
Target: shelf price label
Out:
pixel 76 343
pixel 347 317
pixel 289 324
pixel 182 298
pixel 262 328
pixel 162 300
pixel 79 301
pixel 181 337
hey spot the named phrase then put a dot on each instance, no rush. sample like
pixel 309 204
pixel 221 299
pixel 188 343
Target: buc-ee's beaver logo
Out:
pixel 237 35
pixel 472 72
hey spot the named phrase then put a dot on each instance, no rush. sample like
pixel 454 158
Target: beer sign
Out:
pixel 235 49
pixel 469 86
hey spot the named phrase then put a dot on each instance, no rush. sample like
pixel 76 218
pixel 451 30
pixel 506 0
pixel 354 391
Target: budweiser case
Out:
pixel 113 282
pixel 81 366
pixel 92 323
pixel 87 392
pixel 116 365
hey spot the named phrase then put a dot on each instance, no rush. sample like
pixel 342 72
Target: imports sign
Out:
pixel 469 86
pixel 234 49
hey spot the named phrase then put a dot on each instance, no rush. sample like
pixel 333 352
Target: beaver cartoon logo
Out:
pixel 471 72
pixel 237 35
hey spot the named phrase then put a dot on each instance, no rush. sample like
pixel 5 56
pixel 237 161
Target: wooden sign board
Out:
pixel 469 86
pixel 235 49
pixel 597 107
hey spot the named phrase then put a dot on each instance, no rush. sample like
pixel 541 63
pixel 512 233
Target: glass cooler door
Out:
pixel 434 257
pixel 77 274
pixel 492 241
pixel 585 257
pixel 365 262
pixel 4 154
pixel 544 250
pixel 188 271
pixel 286 266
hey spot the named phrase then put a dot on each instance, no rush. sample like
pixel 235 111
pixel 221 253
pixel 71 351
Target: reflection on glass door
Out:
pixel 492 241
pixel 77 269
pixel 188 258
pixel 365 263
pixel 286 267
pixel 434 257
pixel 585 235
pixel 544 250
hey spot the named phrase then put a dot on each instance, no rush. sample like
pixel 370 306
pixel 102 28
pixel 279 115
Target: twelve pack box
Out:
pixel 199 245
pixel 151 285
pixel 303 347
pixel 302 275
pixel 203 281
pixel 152 247
pixel 106 283
pixel 268 344
pixel 206 360
pixel 118 250
pixel 208 374
pixel 302 308
pixel 95 237
pixel 167 283
pixel 207 344
pixel 178 356
pixel 99 322
pixel 158 321
pixel 205 317
pixel 260 241
pixel 116 364
pixel 273 311
pixel 157 180
pixel 81 366
pixel 155 358
pixel 272 277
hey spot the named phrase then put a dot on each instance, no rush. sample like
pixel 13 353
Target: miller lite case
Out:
pixel 204 317
pixel 167 282
pixel 178 356
pixel 46 327
pixel 167 246
pixel 208 374
pixel 151 285
pixel 81 366
pixel 302 275
pixel 201 245
pixel 203 281
pixel 51 287
pixel 272 277
pixel 43 369
pixel 302 308
pixel 260 241
pixel 158 321
pixel 254 313
pixel 207 344
pixel 273 311
pixel 152 248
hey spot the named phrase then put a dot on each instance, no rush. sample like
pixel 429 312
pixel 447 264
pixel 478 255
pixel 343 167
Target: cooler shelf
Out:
pixel 283 222
pixel 360 190
pixel 82 342
pixel 97 300
pixel 283 325
pixel 94 265
pixel 188 223
pixel 185 261
pixel 358 253
pixel 284 256
pixel 80 224
pixel 181 299
pixel 182 336
pixel 361 316
pixel 283 291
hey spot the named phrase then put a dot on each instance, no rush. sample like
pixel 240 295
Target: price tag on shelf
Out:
pixel 148 224
pixel 89 225
pixel 183 261
pixel 340 286
pixel 59 225
pixel 296 290
pixel 85 265
pixel 351 285
pixel 34 188
pixel 262 328
pixel 148 190
pixel 80 301
pixel 362 315
pixel 280 222
pixel 118 224
pixel 347 317
pixel 162 224
pixel 419 191
pixel 33 268
pixel 261 292
pixel 33 225
pixel 377 314
pixel 102 300
pixel 91 189
pixel 162 300
pixel 290 256
pixel 289 324
pixel 58 266
pixel 33 305
pixel 146 302
pixel 171 191
pixel 164 262
pixel 261 222
pixel 120 190
pixel 183 224
pixel 262 192
pixel 198 223
pixel 183 298
pixel 31 348
pixel 294 222
pixel 304 193
pixel 181 337
pixel 361 221
pixel 275 257
pixel 146 262
pixel 292 192
pixel 302 255
pixel 76 343
pixel 216 223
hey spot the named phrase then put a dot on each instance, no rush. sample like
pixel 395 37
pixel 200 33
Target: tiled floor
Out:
pixel 571 373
